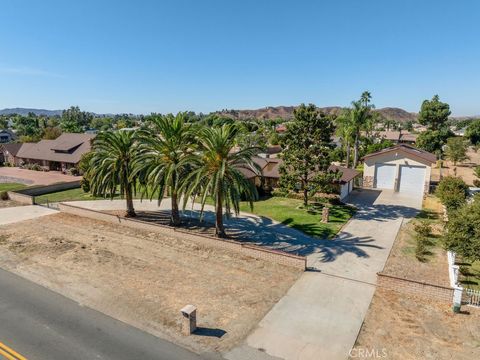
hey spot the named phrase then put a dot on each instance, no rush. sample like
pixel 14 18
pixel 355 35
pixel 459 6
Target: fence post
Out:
pixel 457 298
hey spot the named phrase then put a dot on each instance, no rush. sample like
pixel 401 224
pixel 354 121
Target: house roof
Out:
pixel 270 168
pixel 68 148
pixel 12 148
pixel 397 136
pixel 347 173
pixel 406 149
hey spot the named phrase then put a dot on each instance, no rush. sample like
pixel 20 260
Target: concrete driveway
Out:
pixel 31 177
pixel 322 313
pixel 15 214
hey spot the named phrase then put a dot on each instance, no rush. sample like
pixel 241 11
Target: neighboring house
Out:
pixel 270 173
pixel 397 137
pixel 7 136
pixel 402 168
pixel 8 153
pixel 271 152
pixel 345 183
pixel 60 154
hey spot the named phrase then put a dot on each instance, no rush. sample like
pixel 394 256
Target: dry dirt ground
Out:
pixel 405 327
pixel 412 328
pixel 145 279
pixel 9 203
pixel 463 170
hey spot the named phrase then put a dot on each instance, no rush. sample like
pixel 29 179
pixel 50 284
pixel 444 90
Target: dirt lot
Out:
pixel 402 261
pixel 463 170
pixel 412 328
pixel 404 327
pixel 9 203
pixel 145 279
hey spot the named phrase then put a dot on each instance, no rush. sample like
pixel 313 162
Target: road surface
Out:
pixel 39 324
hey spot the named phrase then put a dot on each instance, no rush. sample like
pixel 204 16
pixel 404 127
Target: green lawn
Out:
pixel 65 195
pixel 291 212
pixel 11 186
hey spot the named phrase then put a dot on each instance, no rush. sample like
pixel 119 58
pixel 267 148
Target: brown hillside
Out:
pixel 286 112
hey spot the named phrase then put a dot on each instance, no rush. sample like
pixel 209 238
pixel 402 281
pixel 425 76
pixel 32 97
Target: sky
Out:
pixel 205 55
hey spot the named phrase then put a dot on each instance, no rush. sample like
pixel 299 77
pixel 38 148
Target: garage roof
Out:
pixel 408 150
pixel 347 174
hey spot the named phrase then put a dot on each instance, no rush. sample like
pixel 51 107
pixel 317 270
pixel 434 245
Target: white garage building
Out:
pixel 402 168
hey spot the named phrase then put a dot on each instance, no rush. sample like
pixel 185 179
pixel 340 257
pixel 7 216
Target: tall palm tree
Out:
pixel 345 131
pixel 162 160
pixel 359 116
pixel 365 98
pixel 216 173
pixel 111 166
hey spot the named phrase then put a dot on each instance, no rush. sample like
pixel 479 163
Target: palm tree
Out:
pixel 345 131
pixel 365 98
pixel 216 173
pixel 162 160
pixel 111 166
pixel 359 115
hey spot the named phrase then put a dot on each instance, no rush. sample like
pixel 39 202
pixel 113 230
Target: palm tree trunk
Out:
pixel 355 152
pixel 219 228
pixel 175 216
pixel 130 210
pixel 348 154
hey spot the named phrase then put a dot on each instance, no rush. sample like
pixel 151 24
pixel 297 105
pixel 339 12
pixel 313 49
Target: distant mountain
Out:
pixel 286 112
pixel 25 111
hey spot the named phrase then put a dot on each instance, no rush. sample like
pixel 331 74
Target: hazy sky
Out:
pixel 203 55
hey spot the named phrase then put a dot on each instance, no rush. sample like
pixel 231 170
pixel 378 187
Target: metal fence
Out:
pixel 472 297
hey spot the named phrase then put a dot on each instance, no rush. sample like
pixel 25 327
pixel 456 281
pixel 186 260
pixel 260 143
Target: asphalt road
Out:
pixel 42 325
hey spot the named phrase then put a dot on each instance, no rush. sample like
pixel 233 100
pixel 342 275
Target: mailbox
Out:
pixel 189 319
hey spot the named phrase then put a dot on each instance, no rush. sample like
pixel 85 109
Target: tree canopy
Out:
pixel 462 231
pixel 452 192
pixel 456 150
pixel 307 148
pixel 473 132
pixel 434 113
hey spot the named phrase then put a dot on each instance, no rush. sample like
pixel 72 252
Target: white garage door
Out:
pixel 412 179
pixel 385 176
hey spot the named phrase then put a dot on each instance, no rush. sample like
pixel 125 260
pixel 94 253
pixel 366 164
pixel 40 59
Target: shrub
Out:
pixel 85 185
pixel 423 229
pixel 73 171
pixel 476 183
pixel 421 250
pixel 452 192
pixel 3 195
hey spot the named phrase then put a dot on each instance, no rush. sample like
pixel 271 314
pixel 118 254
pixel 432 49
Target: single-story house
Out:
pixel 7 136
pixel 270 172
pixel 8 153
pixel 402 168
pixel 398 137
pixel 270 175
pixel 60 154
pixel 345 182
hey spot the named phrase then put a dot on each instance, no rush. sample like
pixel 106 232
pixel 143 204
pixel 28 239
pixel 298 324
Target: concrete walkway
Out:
pixel 321 315
pixel 15 214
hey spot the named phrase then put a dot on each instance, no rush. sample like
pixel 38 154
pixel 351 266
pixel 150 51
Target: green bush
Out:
pixel 421 249
pixel 3 195
pixel 85 185
pixel 452 192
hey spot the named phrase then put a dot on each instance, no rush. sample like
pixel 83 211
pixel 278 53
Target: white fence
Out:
pixel 453 271
pixel 460 295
